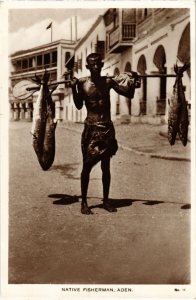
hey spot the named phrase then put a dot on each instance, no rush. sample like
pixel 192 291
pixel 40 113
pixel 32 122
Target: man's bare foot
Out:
pixel 85 209
pixel 108 206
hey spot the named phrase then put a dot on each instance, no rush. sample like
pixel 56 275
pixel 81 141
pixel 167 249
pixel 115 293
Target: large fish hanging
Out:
pixel 178 112
pixel 44 124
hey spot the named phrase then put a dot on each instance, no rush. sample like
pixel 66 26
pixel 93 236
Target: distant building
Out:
pixel 146 40
pixel 26 63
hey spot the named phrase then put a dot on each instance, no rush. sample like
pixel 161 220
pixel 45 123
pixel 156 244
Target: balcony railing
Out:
pixel 128 31
pixel 31 69
pixel 122 36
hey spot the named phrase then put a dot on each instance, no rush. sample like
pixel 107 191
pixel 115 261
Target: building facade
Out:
pixel 25 64
pixel 148 41
pixel 163 39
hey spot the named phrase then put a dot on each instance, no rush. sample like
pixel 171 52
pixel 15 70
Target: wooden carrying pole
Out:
pixel 157 75
pixel 150 75
pixel 68 81
pixel 34 88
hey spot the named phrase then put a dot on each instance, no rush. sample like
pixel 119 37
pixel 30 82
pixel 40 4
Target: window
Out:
pixel 67 56
pixel 100 48
pixel 30 62
pixel 18 65
pixel 24 64
pixel 47 59
pixel 54 58
pixel 145 12
pixel 39 60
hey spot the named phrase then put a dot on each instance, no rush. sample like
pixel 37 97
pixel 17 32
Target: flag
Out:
pixel 49 26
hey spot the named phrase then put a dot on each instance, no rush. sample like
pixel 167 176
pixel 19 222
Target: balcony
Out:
pixel 28 69
pixel 121 37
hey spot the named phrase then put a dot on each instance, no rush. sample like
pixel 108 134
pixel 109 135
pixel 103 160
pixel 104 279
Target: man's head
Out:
pixel 94 63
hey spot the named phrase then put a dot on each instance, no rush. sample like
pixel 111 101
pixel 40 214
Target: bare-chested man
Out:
pixel 98 137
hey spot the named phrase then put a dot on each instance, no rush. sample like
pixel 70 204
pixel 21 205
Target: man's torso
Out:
pixel 97 99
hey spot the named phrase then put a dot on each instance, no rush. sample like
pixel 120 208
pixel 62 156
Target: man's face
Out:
pixel 95 66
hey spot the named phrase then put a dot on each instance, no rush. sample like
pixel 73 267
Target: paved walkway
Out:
pixel 145 139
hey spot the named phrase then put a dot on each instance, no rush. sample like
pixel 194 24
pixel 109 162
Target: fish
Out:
pixel 178 112
pixel 44 124
pixel 173 113
pixel 183 116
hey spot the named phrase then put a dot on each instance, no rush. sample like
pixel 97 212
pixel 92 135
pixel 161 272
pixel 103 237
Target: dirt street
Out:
pixel 146 242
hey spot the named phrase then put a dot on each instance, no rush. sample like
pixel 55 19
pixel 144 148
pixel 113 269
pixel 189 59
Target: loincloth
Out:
pixel 98 141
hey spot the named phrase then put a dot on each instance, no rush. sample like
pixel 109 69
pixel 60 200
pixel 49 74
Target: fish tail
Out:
pixel 183 125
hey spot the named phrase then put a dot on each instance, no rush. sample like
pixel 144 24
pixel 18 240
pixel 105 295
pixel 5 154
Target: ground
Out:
pixel 146 242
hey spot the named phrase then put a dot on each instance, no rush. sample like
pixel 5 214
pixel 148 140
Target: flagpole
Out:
pixel 76 28
pixel 71 29
pixel 50 27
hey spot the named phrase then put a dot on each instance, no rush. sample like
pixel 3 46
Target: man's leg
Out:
pixel 85 175
pixel 106 177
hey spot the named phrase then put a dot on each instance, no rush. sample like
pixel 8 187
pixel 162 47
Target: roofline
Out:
pixel 99 19
pixel 61 41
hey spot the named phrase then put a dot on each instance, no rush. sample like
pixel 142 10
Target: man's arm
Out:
pixel 124 84
pixel 76 86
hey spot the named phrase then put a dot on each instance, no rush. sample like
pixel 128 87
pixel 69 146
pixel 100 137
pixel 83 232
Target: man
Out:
pixel 98 138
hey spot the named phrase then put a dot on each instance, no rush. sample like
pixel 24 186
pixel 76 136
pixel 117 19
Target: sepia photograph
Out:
pixel 100 128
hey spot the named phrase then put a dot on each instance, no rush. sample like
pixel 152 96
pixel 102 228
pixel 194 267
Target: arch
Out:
pixel 141 68
pixel 159 58
pixel 128 67
pixel 184 47
pixel 116 71
pixel 141 65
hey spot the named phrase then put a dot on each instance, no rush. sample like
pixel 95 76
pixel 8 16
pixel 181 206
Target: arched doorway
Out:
pixel 128 69
pixel 184 47
pixel 141 69
pixel 183 55
pixel 159 60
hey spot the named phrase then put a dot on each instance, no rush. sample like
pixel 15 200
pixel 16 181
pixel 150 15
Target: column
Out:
pixel 16 111
pixel 29 111
pixel 22 111
pixel 11 111
pixel 55 98
pixel 153 91
pixel 169 88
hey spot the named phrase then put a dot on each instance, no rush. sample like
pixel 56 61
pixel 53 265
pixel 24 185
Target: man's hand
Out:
pixel 136 77
pixel 73 82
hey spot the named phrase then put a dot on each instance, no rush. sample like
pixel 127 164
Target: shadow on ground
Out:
pixel 64 199
pixel 66 170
